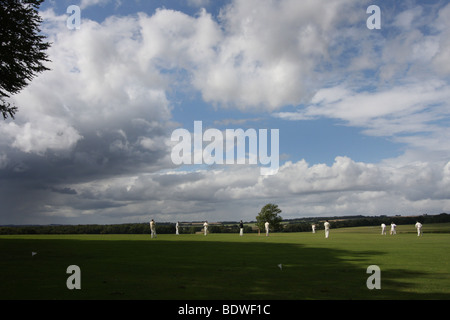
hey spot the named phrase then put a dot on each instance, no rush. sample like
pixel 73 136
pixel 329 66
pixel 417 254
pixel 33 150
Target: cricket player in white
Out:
pixel 383 228
pixel 266 225
pixel 176 228
pixel 327 228
pixel 313 228
pixel 153 228
pixel 205 226
pixel 419 228
pixel 393 226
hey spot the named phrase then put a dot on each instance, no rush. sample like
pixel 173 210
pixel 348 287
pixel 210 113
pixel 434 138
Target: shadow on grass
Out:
pixel 206 270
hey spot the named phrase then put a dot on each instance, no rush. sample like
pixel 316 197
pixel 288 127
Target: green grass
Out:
pixel 226 266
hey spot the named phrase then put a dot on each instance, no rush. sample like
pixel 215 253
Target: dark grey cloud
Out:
pixel 63 190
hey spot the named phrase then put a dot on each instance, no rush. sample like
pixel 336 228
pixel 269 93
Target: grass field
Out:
pixel 227 266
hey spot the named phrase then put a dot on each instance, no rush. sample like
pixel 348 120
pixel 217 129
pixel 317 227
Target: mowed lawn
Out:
pixel 282 266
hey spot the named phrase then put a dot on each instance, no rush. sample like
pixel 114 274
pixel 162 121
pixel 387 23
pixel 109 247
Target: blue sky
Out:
pixel 362 114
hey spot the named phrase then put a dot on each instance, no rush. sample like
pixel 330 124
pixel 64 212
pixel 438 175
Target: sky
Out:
pixel 362 113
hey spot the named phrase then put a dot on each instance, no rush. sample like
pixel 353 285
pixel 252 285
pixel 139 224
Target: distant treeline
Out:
pixel 293 225
pixel 360 221
pixel 129 228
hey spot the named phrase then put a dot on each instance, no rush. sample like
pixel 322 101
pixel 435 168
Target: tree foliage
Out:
pixel 22 48
pixel 269 213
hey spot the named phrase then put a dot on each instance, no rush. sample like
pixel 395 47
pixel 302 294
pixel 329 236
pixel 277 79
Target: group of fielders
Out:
pixel 326 225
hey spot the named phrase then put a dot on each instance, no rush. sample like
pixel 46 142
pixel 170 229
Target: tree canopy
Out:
pixel 22 49
pixel 269 213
